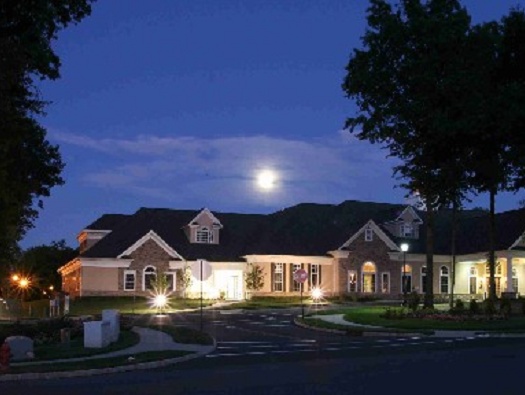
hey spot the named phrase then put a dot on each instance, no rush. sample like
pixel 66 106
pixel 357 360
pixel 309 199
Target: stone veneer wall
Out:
pixel 375 251
pixel 148 254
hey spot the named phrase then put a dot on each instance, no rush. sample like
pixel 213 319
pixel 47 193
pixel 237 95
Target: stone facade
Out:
pixel 148 254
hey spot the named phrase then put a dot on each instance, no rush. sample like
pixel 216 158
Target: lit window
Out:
pixel 150 274
pixel 352 281
pixel 315 275
pixel 443 280
pixel 368 282
pixel 296 284
pixel 278 277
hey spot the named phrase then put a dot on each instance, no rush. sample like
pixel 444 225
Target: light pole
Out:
pixel 404 248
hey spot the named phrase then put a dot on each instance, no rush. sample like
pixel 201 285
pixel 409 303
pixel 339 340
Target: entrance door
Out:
pixel 232 288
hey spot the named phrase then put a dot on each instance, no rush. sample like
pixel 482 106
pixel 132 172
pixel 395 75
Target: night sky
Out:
pixel 181 104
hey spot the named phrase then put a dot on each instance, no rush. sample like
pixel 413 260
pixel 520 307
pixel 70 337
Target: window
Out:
pixel 278 277
pixel 385 283
pixel 150 274
pixel 514 280
pixel 369 277
pixel 443 280
pixel 296 286
pixel 129 280
pixel 473 280
pixel 406 279
pixel 369 234
pixel 424 279
pixel 407 230
pixel 204 235
pixel 172 281
pixel 352 281
pixel 315 275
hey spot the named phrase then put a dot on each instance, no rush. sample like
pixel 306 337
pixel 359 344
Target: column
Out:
pixel 509 287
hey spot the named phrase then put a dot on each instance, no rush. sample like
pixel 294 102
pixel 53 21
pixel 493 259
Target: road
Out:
pixel 263 353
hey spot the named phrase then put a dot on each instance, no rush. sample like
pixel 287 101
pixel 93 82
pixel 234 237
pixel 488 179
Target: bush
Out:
pixel 505 307
pixel 459 308
pixel 413 300
pixel 42 331
pixel 489 307
pixel 394 313
pixel 474 307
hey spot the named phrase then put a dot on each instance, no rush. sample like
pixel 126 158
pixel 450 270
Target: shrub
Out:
pixel 505 307
pixel 489 307
pixel 474 307
pixel 394 313
pixel 459 308
pixel 413 300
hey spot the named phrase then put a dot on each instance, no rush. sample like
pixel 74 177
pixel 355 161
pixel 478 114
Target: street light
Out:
pixel 404 248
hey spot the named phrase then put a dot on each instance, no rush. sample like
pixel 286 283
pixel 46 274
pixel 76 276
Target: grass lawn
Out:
pixel 125 304
pixel 271 302
pixel 371 316
pixel 75 348
pixel 98 363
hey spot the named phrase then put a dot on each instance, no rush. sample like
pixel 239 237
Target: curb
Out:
pixel 94 372
pixel 357 332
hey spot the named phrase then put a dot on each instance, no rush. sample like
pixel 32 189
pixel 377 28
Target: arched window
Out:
pixel 368 275
pixel 406 278
pixel 443 280
pixel 150 274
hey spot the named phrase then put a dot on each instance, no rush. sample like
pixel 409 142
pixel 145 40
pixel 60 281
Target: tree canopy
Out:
pixel 29 164
pixel 444 97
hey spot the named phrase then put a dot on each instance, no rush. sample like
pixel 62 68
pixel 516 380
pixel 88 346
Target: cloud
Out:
pixel 191 171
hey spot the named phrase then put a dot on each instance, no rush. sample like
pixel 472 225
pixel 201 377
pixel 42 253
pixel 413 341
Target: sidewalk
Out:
pixel 150 340
pixel 338 319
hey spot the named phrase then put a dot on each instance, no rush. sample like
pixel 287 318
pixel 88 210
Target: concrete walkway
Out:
pixel 338 319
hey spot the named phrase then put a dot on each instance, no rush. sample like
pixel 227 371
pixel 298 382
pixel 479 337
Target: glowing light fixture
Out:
pixel 23 283
pixel 160 301
pixel 15 277
pixel 317 294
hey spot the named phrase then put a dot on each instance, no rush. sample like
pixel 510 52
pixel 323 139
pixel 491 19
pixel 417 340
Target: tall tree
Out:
pixel 41 263
pixel 29 165
pixel 498 151
pixel 410 83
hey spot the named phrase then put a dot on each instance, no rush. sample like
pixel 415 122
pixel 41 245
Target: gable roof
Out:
pixel 378 231
pixel 306 229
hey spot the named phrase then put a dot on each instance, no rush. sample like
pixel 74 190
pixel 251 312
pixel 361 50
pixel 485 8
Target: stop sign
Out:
pixel 300 275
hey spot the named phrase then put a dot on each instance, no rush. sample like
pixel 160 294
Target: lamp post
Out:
pixel 404 248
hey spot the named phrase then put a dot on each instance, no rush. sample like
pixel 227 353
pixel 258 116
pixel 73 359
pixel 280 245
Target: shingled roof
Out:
pixel 304 229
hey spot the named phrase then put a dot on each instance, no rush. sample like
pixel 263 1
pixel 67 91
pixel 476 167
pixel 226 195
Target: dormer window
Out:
pixel 369 234
pixel 204 235
pixel 407 230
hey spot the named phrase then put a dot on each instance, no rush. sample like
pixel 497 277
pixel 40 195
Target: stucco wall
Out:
pixel 99 279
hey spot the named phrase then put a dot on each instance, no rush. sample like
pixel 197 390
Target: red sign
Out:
pixel 300 275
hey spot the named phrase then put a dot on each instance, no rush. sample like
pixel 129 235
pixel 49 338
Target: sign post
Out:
pixel 300 275
pixel 202 271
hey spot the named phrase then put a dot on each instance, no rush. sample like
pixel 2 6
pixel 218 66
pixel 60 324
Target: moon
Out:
pixel 266 179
